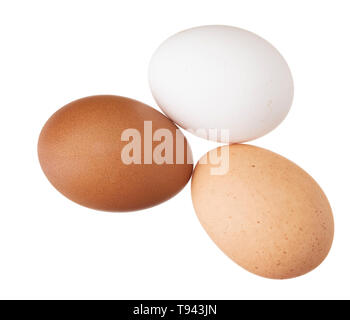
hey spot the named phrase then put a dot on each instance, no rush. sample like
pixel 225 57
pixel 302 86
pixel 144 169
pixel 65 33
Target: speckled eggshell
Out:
pixel 267 214
pixel 80 153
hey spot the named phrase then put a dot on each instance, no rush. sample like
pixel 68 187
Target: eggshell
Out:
pixel 265 213
pixel 80 150
pixel 222 78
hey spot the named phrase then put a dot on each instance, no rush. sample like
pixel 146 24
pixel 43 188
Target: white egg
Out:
pixel 221 78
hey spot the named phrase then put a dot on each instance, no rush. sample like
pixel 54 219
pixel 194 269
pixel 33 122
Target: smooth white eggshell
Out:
pixel 221 77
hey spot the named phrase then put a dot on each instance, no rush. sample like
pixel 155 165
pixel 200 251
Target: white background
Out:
pixel 53 52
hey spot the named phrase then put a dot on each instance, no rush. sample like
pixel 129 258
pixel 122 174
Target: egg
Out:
pixel 221 83
pixel 262 210
pixel 113 153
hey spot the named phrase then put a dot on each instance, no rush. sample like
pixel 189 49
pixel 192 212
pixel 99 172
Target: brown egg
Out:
pixel 88 156
pixel 263 211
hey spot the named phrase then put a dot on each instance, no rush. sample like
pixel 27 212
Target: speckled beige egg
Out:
pixel 263 211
